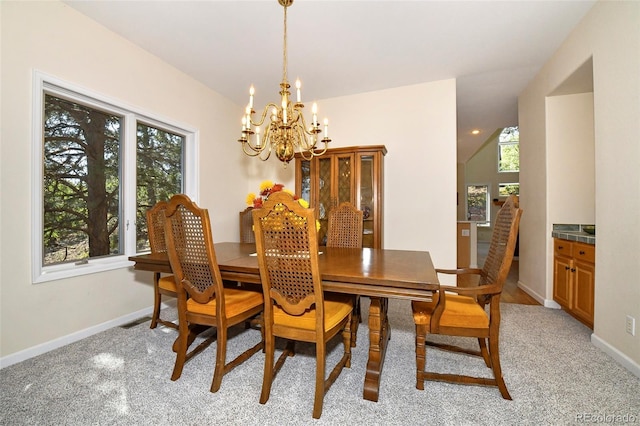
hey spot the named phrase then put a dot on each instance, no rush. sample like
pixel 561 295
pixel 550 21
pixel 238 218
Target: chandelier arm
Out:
pixel 263 116
pixel 302 139
pixel 253 152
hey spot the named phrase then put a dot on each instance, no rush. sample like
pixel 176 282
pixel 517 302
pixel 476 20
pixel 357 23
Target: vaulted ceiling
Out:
pixel 337 48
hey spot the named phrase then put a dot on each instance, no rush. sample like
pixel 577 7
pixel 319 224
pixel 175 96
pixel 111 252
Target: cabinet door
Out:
pixel 562 281
pixel 326 196
pixel 345 180
pixel 368 199
pixel 583 291
pixel 303 179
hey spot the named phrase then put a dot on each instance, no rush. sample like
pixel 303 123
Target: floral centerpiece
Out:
pixel 267 188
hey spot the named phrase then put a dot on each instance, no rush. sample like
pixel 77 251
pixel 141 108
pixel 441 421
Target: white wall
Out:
pixel 571 175
pixel 417 124
pixel 55 39
pixel 611 35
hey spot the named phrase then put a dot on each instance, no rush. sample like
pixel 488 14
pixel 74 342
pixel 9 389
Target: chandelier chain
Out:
pixel 284 59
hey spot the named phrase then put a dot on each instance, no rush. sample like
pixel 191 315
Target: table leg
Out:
pixel 379 333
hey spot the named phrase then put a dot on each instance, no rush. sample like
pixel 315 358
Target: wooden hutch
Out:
pixel 350 174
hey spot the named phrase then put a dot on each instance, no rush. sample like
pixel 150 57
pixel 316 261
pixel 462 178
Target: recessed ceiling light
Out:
pixel 475 132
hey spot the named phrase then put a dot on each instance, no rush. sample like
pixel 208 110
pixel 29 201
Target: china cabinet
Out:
pixel 348 174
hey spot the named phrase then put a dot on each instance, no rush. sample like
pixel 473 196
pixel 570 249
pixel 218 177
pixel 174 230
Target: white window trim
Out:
pixel 43 82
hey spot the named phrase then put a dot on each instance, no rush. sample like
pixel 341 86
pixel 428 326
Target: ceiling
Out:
pixel 337 48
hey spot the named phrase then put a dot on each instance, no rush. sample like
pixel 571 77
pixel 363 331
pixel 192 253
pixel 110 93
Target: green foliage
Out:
pixel 159 173
pixel 81 179
pixel 509 150
pixel 477 201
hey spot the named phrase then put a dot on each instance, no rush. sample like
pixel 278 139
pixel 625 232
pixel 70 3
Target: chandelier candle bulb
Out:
pixel 298 84
pixel 314 110
pixel 251 92
pixel 284 111
pixel 326 128
pixel 258 137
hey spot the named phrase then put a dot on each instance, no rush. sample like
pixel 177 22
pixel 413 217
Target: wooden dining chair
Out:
pixel 162 285
pixel 463 313
pixel 295 306
pixel 202 298
pixel 345 226
pixel 246 226
pixel 345 230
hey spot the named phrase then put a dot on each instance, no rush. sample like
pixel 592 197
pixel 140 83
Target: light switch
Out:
pixel 465 232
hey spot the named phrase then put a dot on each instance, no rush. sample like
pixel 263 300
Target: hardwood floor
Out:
pixel 511 293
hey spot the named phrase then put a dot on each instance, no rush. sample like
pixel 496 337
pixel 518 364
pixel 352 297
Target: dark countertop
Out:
pixel 572 233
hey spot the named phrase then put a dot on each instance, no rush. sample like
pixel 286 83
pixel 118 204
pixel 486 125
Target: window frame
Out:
pixel 44 83
pixel 506 143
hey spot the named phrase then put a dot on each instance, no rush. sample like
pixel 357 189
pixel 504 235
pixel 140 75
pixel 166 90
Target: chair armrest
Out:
pixel 460 271
pixel 471 291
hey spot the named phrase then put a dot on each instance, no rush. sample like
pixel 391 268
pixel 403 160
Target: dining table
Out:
pixel 379 274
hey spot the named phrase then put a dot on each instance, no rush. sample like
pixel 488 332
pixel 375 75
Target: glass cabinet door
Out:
pixel 305 180
pixel 345 180
pixel 325 196
pixel 367 199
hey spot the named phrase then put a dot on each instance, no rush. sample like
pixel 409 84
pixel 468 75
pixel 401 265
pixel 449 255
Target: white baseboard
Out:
pixel 539 298
pixel 621 358
pixel 42 348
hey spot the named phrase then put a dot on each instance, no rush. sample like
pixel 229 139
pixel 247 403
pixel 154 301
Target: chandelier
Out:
pixel 287 131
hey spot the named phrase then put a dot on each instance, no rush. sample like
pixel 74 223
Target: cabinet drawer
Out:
pixel 562 247
pixel 584 252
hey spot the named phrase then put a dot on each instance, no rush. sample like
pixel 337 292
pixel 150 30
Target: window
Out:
pixel 478 204
pixel 509 150
pixel 158 173
pixel 99 167
pixel 506 189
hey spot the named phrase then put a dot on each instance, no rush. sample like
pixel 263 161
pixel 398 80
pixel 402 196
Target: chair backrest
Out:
pixel 503 241
pixel 345 227
pixel 190 250
pixel 287 247
pixel 155 226
pixel 246 226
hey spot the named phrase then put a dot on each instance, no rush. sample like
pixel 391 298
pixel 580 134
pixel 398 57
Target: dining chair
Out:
pixel 246 226
pixel 295 307
pixel 162 285
pixel 345 230
pixel 345 226
pixel 464 313
pixel 202 298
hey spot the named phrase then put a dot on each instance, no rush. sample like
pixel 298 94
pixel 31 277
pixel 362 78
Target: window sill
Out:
pixel 59 272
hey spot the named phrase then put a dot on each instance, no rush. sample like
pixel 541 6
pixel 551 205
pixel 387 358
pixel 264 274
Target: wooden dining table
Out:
pixel 379 274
